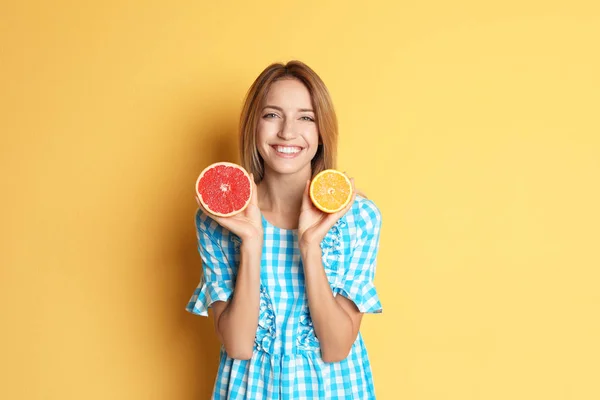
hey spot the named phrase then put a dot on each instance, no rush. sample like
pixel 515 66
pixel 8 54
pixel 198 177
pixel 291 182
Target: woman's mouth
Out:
pixel 287 151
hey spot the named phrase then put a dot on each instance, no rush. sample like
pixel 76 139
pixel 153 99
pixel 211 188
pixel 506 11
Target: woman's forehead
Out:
pixel 288 93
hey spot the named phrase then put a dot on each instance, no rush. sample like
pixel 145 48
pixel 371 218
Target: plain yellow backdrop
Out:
pixel 473 125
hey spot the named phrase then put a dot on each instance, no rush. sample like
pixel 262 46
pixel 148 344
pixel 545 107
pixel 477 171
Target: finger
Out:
pixel 330 220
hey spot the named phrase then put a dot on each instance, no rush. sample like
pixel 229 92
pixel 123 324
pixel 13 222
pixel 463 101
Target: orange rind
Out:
pixel 330 191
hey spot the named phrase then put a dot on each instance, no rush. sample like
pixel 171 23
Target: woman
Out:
pixel 288 284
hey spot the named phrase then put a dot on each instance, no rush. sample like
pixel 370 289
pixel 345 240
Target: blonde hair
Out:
pixel 325 117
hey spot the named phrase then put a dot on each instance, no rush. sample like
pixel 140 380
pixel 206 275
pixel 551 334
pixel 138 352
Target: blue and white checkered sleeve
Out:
pixel 358 284
pixel 218 275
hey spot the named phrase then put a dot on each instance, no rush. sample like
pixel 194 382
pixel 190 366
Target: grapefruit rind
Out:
pixel 206 206
pixel 313 195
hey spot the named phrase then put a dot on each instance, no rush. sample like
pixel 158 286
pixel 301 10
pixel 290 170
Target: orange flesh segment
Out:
pixel 331 191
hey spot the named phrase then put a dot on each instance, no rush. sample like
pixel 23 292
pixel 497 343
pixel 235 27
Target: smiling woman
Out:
pixel 285 101
pixel 287 282
pixel 288 136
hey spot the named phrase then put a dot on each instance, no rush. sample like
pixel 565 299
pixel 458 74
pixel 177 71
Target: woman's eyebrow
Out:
pixel 281 109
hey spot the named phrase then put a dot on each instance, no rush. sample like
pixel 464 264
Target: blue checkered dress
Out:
pixel 286 362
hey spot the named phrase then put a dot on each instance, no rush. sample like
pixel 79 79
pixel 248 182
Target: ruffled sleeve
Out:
pixel 218 274
pixel 357 283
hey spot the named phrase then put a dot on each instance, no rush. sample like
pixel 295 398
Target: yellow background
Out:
pixel 474 126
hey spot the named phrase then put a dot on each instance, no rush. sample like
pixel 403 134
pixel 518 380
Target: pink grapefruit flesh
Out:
pixel 224 189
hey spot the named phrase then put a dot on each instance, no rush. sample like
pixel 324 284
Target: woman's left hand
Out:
pixel 313 223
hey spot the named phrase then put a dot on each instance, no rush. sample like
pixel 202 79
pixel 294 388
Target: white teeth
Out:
pixel 287 150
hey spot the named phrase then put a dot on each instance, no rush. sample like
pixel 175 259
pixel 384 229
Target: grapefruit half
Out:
pixel 330 190
pixel 224 189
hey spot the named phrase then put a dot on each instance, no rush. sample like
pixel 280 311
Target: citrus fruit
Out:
pixel 224 189
pixel 330 190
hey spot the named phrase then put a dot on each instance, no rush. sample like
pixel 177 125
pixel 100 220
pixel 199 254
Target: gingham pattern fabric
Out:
pixel 286 362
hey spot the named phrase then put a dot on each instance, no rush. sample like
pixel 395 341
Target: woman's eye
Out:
pixel 270 115
pixel 307 118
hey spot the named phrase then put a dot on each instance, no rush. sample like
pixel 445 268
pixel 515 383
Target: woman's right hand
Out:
pixel 247 225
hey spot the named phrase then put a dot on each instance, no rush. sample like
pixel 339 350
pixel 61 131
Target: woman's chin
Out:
pixel 288 168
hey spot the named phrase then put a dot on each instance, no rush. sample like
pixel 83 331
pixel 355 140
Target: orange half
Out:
pixel 330 191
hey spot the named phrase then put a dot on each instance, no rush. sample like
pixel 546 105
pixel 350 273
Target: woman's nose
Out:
pixel 287 131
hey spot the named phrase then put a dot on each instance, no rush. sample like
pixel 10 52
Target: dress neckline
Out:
pixel 267 223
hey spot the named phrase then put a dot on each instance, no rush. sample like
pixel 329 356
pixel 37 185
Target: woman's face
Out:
pixel 287 137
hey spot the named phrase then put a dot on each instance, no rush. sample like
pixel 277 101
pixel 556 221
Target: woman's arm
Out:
pixel 237 319
pixel 336 319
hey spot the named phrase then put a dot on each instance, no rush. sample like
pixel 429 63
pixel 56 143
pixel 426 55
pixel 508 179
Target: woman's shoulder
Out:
pixel 207 225
pixel 365 212
pixel 361 221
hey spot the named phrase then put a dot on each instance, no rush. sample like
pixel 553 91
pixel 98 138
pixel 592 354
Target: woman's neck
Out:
pixel 282 193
